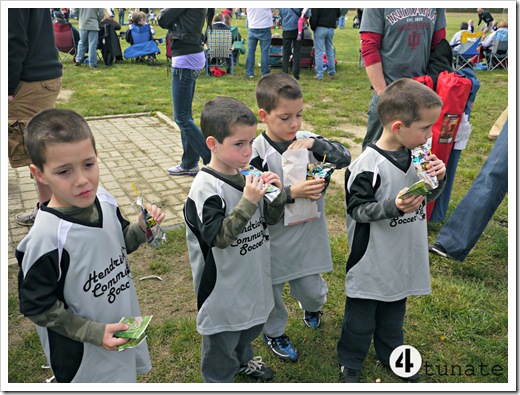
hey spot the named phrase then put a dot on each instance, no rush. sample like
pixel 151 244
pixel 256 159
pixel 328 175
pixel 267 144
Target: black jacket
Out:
pixel 324 17
pixel 33 55
pixel 184 29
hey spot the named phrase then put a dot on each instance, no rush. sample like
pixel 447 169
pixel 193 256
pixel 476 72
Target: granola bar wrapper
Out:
pixel 272 191
pixel 419 155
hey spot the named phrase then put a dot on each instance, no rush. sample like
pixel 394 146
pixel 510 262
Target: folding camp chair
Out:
pixel 498 55
pixel 276 52
pixel 64 38
pixel 219 50
pixel 469 43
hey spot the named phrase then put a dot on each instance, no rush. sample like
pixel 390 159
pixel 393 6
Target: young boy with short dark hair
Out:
pixel 387 234
pixel 300 250
pixel 226 218
pixel 75 282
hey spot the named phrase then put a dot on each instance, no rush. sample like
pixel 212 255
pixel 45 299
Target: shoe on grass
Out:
pixel 438 249
pixel 281 347
pixel 256 369
pixel 27 219
pixel 312 319
pixel 180 171
pixel 347 375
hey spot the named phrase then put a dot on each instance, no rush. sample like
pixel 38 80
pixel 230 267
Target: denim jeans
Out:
pixel 469 219
pixel 374 127
pixel 364 319
pixel 193 143
pixel 253 36
pixel 323 44
pixel 88 39
pixel 341 22
pixel 440 208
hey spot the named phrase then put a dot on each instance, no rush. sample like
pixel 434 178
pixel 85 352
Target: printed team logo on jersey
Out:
pixel 420 215
pixel 111 281
pixel 252 237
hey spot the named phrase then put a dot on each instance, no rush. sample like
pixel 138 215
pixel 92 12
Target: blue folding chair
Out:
pixel 469 47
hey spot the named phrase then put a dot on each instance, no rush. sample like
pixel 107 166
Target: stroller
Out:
pixel 143 47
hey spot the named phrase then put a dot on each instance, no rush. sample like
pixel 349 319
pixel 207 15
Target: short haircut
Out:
pixel 138 16
pixel 218 18
pixel 404 99
pixel 222 114
pixel 502 24
pixel 275 86
pixel 54 126
pixel 464 26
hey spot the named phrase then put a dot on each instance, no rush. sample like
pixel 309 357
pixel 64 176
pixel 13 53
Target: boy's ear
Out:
pixel 38 174
pixel 263 115
pixel 211 142
pixel 396 126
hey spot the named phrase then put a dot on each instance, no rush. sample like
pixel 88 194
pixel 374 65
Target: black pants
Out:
pixel 364 319
pixel 291 46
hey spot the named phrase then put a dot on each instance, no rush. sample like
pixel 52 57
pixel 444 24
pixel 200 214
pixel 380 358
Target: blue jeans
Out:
pixel 440 208
pixel 323 44
pixel 374 127
pixel 88 39
pixel 469 219
pixel 253 36
pixel 193 143
pixel 341 22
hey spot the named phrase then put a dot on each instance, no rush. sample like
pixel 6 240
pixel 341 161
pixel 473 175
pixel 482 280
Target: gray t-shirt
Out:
pixel 407 38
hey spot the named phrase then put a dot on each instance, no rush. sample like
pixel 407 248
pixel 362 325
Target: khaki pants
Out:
pixel 29 99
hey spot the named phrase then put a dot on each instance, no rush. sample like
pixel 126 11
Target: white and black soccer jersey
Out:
pixel 85 267
pixel 304 249
pixel 388 258
pixel 233 284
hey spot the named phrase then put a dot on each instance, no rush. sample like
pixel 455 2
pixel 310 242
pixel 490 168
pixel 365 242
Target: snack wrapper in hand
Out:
pixel 419 160
pixel 272 191
pixel 320 170
pixel 155 236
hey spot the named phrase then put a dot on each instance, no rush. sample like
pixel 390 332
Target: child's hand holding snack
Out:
pixel 303 143
pixel 408 204
pixel 311 189
pixel 110 342
pixel 272 178
pixel 435 167
pixel 154 211
pixel 254 190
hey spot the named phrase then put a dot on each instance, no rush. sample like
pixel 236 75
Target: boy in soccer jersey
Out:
pixel 387 234
pixel 300 251
pixel 226 218
pixel 74 281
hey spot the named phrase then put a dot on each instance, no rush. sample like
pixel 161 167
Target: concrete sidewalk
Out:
pixel 131 148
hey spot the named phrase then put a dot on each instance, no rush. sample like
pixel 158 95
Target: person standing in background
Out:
pixel 396 43
pixel 485 16
pixel 88 19
pixel 259 22
pixel 323 23
pixel 291 44
pixel 185 31
pixel 34 84
pixel 342 16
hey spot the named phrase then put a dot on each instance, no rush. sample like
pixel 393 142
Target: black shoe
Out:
pixel 413 379
pixel 438 248
pixel 257 370
pixel 347 375
pixel 312 319
pixel 281 347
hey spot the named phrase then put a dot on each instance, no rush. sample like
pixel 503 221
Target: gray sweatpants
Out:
pixel 223 354
pixel 311 293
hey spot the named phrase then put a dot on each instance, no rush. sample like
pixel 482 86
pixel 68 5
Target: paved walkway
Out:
pixel 131 148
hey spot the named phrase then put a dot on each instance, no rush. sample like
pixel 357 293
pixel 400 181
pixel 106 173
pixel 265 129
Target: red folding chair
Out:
pixel 64 40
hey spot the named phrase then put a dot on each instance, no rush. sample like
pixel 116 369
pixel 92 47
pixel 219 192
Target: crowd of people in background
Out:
pixel 225 204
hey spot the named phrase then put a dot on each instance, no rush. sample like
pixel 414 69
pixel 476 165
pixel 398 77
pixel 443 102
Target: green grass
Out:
pixel 464 321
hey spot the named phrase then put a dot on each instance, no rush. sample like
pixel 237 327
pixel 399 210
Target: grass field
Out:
pixel 461 329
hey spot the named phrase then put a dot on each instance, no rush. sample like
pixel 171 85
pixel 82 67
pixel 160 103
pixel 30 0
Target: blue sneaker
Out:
pixel 281 347
pixel 312 319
